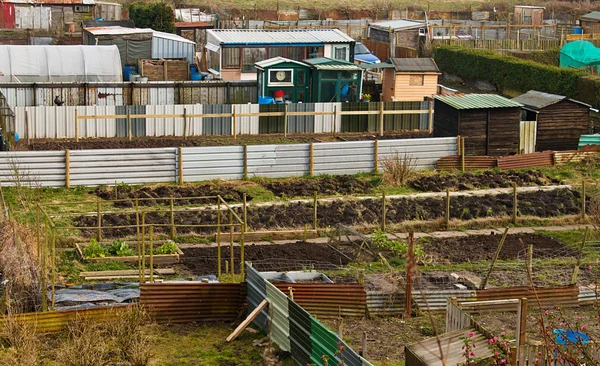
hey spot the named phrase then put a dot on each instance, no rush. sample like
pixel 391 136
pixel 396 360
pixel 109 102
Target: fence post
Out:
pixel 245 208
pixel 579 255
pixel 180 153
pixel 315 204
pixel 285 119
pixel 458 145
pixel 409 269
pixel 68 168
pixel 219 237
pixel 383 211
pixel 335 114
pixel 530 258
pixel 129 135
pixel 99 233
pixel 185 123
pixel 376 156
pixel 245 175
pixel 151 245
pixel 431 116
pixel 447 208
pixel 143 267
pixel 515 203
pixel 462 154
pixel 583 200
pixel 522 324
pixel 380 118
pixel 311 159
pixel 231 244
pixel 242 254
pixel 234 124
pixel 363 350
pixel 76 125
pixel 172 213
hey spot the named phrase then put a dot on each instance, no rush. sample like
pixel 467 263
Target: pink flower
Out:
pixel 590 268
pixel 495 354
pixel 472 354
pixel 583 327
pixel 471 334
pixel 504 333
pixel 547 312
pixel 491 341
pixel 503 361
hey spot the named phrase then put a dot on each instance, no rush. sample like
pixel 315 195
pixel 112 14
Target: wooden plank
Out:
pixel 263 304
pixel 126 272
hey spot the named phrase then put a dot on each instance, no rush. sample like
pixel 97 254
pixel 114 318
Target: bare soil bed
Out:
pixel 281 257
pixel 488 179
pixel 158 142
pixel 482 247
pixel 334 185
pixel 353 212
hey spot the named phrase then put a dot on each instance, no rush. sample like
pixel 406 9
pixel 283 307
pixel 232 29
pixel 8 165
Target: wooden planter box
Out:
pixel 165 70
pixel 158 259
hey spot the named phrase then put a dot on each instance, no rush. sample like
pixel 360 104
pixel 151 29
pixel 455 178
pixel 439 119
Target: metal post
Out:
pixel 172 212
pixel 231 244
pixel 151 245
pixel 219 237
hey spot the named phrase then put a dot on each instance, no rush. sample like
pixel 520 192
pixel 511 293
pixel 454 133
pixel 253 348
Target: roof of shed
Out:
pixel 291 36
pixel 123 31
pixel 536 100
pixel 477 101
pixel 415 64
pixel 325 63
pixel 275 61
pixel 398 24
pixel 193 25
pixel 595 15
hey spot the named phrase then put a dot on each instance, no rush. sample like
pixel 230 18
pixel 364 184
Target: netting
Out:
pixel 580 55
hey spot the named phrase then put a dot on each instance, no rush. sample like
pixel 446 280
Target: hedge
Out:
pixel 518 74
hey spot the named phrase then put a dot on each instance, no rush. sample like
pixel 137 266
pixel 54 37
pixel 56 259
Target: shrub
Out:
pixel 94 250
pixel 156 15
pixel 167 248
pixel 398 169
pixel 85 344
pixel 120 248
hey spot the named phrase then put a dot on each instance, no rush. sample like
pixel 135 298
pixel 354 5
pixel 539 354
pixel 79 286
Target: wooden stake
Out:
pixel 383 211
pixel 129 134
pixel 242 253
pixel 583 200
pixel 447 208
pixel 245 210
pixel 340 326
pixel 180 155
pixel 315 204
pixel 376 156
pixel 462 155
pixel 515 204
pixel 219 237
pixel 311 160
pixel 151 245
pixel 498 249
pixel 172 212
pixel 530 258
pixel 363 350
pixel 521 323
pixel 381 115
pixel 579 256
pixel 409 274
pixel 143 268
pixel 53 263
pixel 68 169
pixel 458 145
pixel 99 230
pixel 76 126
pixel 231 244
pixel 234 124
pixel 430 116
pixel 240 328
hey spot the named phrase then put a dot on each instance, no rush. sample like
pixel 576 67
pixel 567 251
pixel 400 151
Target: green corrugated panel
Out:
pixel 589 140
pixel 280 324
pixel 324 343
pixel 477 101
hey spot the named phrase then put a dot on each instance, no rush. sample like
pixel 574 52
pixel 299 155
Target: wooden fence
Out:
pixel 501 45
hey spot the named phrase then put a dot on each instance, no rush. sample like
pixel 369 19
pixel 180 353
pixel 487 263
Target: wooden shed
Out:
pixel 560 120
pixel 488 123
pixel 410 79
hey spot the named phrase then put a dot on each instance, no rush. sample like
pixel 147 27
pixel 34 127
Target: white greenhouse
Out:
pixel 33 64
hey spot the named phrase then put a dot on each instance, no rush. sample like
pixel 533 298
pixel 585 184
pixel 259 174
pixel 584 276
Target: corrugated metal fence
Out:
pixel 167 119
pixel 328 299
pixel 141 166
pixel 293 328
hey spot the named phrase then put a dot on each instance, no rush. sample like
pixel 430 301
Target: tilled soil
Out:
pixel 488 179
pixel 353 212
pixel 281 257
pixel 149 194
pixel 334 185
pixel 483 247
pixel 159 142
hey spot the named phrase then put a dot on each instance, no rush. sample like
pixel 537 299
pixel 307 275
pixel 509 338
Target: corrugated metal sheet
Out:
pixel 206 163
pixel 589 140
pixel 187 302
pixel 260 36
pixel 172 126
pixel 217 125
pixel 301 124
pixel 588 295
pixel 425 152
pixel 138 125
pixel 450 163
pixel 326 123
pixel 275 161
pixel 129 166
pixel 528 137
pixel 348 158
pixel 563 296
pixel 167 46
pixel 328 299
pixel 539 159
pixel 54 321
pixel 575 156
pixel 247 125
pixel 46 168
pixel 536 100
pixel 278 317
pixel 385 303
pixel 477 101
pixel 33 17
pixel 437 300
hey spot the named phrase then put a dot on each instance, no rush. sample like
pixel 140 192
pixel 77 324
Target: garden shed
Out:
pixel 560 120
pixel 410 79
pixel 488 123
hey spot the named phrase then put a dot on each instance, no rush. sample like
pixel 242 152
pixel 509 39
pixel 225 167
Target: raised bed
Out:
pixel 158 259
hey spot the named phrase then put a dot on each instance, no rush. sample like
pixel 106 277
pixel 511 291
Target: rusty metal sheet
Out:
pixel 538 159
pixel 193 301
pixel 450 163
pixel 573 156
pixel 328 299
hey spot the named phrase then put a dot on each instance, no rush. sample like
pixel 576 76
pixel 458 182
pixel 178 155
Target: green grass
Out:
pixel 70 267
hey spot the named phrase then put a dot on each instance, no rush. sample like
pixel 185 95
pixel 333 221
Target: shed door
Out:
pixel 7 16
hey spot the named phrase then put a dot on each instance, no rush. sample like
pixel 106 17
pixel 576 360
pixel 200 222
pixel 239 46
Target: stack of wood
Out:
pixel 165 70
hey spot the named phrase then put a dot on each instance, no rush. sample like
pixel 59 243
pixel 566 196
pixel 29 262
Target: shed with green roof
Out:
pixel 488 123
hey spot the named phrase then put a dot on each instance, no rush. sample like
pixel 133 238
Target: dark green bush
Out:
pixel 156 15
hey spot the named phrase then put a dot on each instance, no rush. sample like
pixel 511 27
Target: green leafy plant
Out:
pixel 398 248
pixel 94 250
pixel 120 249
pixel 167 248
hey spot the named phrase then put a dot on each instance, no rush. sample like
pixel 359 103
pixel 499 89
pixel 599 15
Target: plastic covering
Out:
pixel 580 55
pixel 31 64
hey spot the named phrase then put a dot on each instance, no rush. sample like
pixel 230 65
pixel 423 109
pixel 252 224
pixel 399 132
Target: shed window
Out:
pixel 231 58
pixel 276 52
pixel 81 8
pixel 416 80
pixel 340 53
pixel 296 53
pixel 314 52
pixel 252 56
pixel 213 60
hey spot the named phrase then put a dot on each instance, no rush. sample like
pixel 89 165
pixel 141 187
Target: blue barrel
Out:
pixel 193 68
pixel 577 30
pixel 98 19
pixel 196 76
pixel 266 100
pixel 128 70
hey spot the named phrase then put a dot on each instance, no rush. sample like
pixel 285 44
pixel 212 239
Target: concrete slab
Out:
pixel 401 236
pixel 484 232
pixel 448 234
pixel 318 240
pixel 521 230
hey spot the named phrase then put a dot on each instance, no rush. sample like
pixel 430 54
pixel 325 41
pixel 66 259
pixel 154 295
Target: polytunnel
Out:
pixel 32 64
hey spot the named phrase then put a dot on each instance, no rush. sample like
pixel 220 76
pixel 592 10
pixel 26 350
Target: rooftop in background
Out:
pixel 398 24
pixel 122 31
pixel 415 65
pixel 477 101
pixel 595 15
pixel 530 7
pixel 325 63
pixel 193 25
pixel 536 100
pixel 54 2
pixel 275 61
pixel 278 37
pixel 107 23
